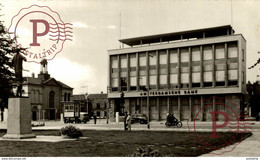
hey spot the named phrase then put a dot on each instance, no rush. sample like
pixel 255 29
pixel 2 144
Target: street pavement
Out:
pixel 247 148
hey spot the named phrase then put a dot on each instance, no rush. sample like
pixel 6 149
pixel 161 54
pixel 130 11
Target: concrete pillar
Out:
pixel 157 70
pixel 119 77
pixel 202 110
pixel 213 66
pixel 128 72
pixel 190 75
pixel 201 67
pixel 214 105
pixel 190 106
pixel 168 68
pixel 158 108
pixel 19 119
pixel 226 66
pixel 147 71
pixel 179 108
pixel 127 105
pixel 137 72
pixel 179 68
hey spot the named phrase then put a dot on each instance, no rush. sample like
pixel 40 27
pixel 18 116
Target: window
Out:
pixel 219 51
pixel 207 77
pixel 173 78
pixel 184 80
pixel 196 54
pixel 152 58
pixel 142 59
pixel 114 82
pixel 163 57
pixel 51 99
pixel 114 63
pixel 220 78
pixel 196 79
pixel 98 105
pixel 133 61
pixel 68 97
pixel 152 80
pixel 132 81
pixel 163 79
pixel 243 55
pixel 232 50
pixel 124 84
pixel 173 56
pixel 142 81
pixel 184 55
pixel 232 75
pixel 207 53
pixel 123 63
pixel 98 114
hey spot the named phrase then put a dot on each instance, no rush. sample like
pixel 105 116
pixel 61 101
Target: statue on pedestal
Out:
pixel 17 63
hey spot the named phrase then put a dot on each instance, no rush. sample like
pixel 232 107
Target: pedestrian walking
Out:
pixel 128 121
pixel 125 123
pixel 95 118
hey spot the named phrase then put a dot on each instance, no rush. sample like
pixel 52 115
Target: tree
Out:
pixel 7 49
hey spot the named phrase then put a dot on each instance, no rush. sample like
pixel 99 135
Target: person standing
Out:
pixel 95 118
pixel 125 123
pixel 128 120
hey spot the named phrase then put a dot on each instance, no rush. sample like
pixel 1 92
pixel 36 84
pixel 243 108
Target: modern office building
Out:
pixel 174 72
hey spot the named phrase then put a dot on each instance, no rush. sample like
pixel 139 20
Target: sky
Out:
pixel 97 27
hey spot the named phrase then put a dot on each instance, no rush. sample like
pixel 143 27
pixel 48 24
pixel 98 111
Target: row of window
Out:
pixel 232 52
pixel 207 76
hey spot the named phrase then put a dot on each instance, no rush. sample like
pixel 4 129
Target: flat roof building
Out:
pixel 174 72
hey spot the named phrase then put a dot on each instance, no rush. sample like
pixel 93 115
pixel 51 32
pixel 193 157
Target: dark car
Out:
pixel 139 118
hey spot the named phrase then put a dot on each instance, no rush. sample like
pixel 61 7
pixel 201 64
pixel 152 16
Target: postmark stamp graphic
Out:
pixel 41 31
pixel 223 116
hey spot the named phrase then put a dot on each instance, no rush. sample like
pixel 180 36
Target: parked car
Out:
pixel 139 118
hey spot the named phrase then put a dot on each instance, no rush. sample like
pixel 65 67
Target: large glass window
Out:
pixel 195 54
pixel 184 80
pixel 184 55
pixel 207 77
pixel 220 78
pixel 232 77
pixel 174 80
pixel 196 79
pixel 232 50
pixel 123 63
pixel 219 51
pixel 207 53
pixel 173 56
pixel 162 57
pixel 133 60
pixel 114 63
pixel 163 79
pixel 152 58
pixel 142 59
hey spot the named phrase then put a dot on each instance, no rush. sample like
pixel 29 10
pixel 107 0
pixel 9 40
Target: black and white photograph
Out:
pixel 129 78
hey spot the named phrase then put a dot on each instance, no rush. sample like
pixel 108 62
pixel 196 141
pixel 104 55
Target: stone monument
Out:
pixel 19 110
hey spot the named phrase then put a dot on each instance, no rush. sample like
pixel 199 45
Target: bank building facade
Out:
pixel 178 73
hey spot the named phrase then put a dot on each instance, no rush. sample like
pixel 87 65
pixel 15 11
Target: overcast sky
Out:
pixel 83 62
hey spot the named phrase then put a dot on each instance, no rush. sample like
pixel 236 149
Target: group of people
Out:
pixel 127 122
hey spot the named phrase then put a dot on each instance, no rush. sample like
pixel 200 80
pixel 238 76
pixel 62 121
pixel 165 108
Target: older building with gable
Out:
pixel 46 94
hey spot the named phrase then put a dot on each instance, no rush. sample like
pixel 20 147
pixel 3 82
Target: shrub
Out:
pixel 146 152
pixel 71 131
